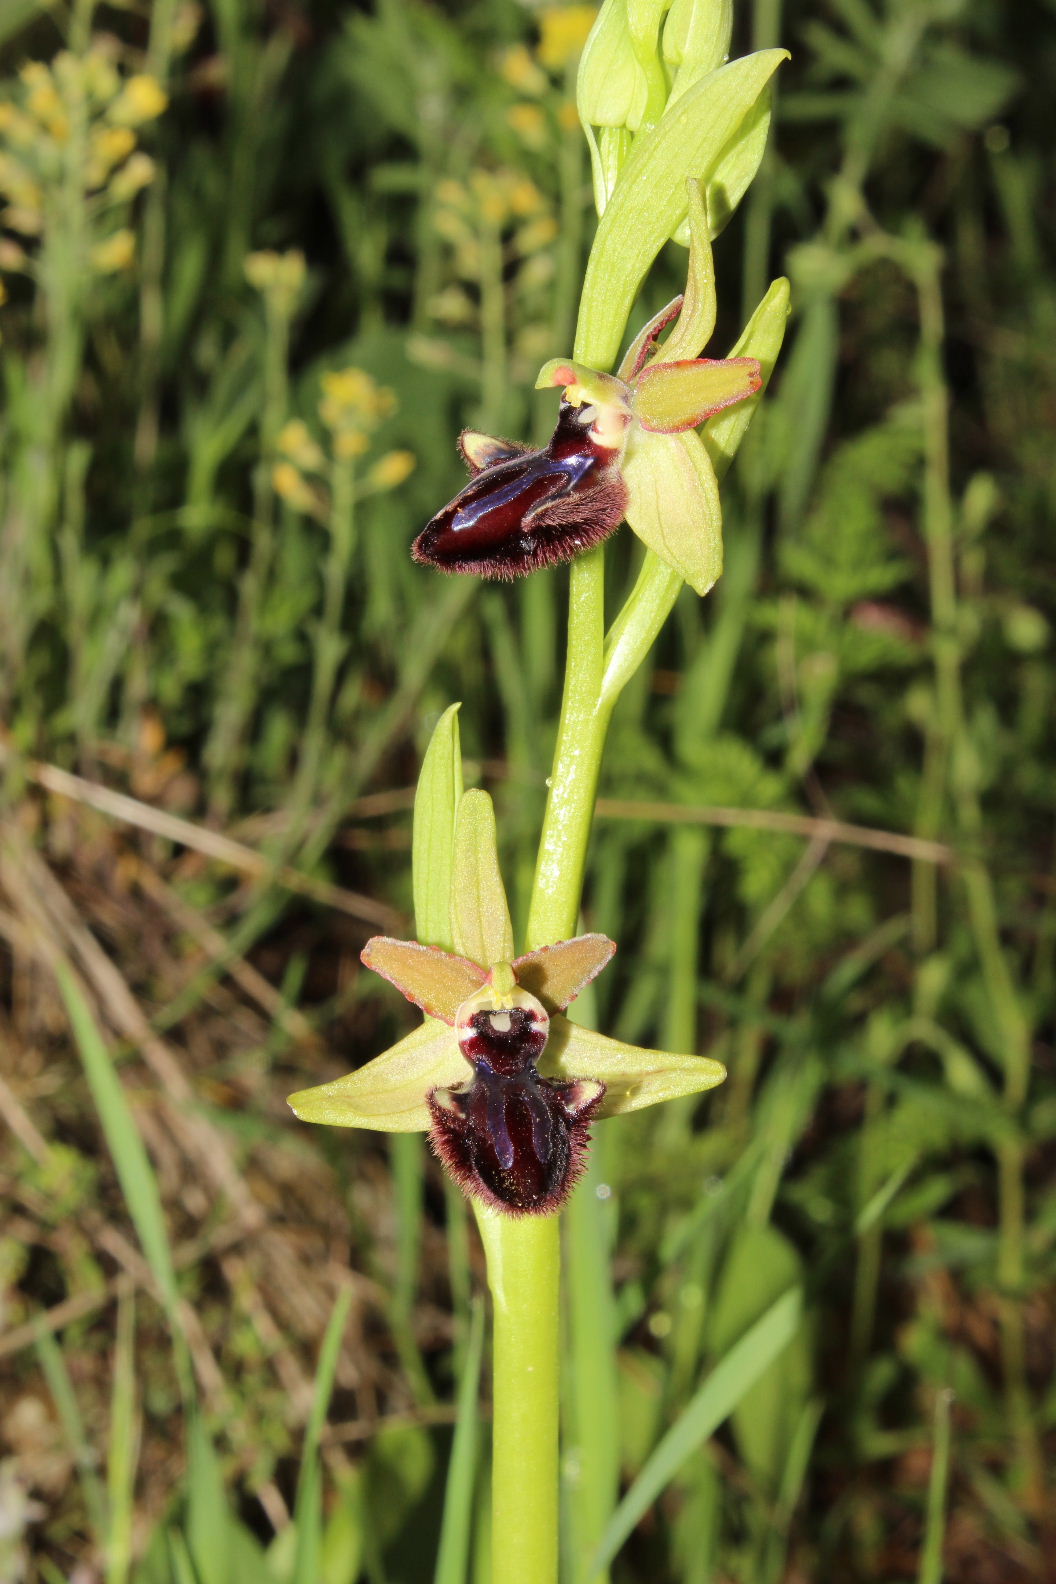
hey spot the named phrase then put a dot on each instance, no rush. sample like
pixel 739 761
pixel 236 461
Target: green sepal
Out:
pixel 761 339
pixel 650 201
pixel 671 397
pixel 480 914
pixel 633 1077
pixel 586 384
pixel 433 842
pixel 673 504
pixel 388 1094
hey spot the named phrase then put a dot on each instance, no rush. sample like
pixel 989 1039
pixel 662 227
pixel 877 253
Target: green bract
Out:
pixel 712 128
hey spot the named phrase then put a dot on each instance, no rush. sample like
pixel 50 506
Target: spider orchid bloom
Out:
pixel 505 1084
pixel 625 446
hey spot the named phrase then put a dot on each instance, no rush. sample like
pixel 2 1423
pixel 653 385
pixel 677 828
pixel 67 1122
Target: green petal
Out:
pixel 696 322
pixel 556 974
pixel 671 397
pixel 434 980
pixel 480 914
pixel 633 1077
pixel 649 202
pixel 433 843
pixel 673 504
pixel 388 1094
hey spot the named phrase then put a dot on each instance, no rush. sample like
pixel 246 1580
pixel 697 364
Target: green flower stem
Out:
pixel 523 1257
pixel 584 721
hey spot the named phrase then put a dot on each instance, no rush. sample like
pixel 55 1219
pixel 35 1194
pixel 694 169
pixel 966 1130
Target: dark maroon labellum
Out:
pixel 526 509
pixel 509 1136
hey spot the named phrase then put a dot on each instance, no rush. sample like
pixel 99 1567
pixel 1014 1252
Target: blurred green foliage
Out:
pixel 256 259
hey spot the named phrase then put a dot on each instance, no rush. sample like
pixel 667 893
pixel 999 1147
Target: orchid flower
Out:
pixel 625 446
pixel 505 1083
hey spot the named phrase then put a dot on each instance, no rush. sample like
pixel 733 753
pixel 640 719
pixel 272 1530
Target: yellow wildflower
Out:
pixel 132 178
pixel 529 123
pixel 563 32
pixel 524 197
pixel 117 253
pixel 108 146
pixel 490 198
pixel 390 470
pixel 279 276
pixel 521 72
pixel 141 99
pixel 353 400
pixel 293 488
pixel 536 235
pixel 296 441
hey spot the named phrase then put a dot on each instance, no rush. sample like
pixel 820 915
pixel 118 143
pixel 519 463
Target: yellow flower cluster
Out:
pixel 68 132
pixel 351 408
pixel 563 31
pixel 279 277
pixel 508 205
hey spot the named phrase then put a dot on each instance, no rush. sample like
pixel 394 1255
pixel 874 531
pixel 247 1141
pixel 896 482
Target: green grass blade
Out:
pixel 931 1569
pixel 131 1162
pixel 707 1409
pixel 123 1453
pixel 60 1385
pixel 308 1508
pixel 456 1532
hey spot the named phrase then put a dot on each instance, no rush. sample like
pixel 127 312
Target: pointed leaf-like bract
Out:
pixel 557 974
pixel 674 507
pixel 389 1093
pixel 672 397
pixel 435 980
pixel 649 202
pixel 433 844
pixel 633 1077
pixel 480 914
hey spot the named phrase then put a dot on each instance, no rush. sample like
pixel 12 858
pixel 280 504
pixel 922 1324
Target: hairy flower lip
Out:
pixel 526 509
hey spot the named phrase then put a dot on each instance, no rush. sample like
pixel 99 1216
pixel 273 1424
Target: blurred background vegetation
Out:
pixel 260 262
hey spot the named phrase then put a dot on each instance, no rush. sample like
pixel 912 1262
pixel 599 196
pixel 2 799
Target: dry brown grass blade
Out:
pixel 190 920
pixel 211 844
pixel 58 933
pixel 813 828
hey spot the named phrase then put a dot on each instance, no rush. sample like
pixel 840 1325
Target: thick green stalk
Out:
pixel 577 761
pixel 523 1256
